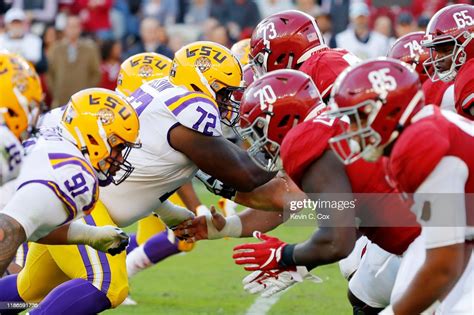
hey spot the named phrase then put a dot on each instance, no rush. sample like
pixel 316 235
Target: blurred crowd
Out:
pixel 76 44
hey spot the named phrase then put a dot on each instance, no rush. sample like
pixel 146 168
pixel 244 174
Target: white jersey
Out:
pixel 159 168
pixel 11 155
pixel 51 119
pixel 55 165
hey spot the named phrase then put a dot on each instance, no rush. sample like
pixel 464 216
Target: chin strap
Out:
pixel 205 83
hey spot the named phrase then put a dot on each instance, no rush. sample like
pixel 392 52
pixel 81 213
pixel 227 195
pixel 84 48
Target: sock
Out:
pixel 76 296
pixel 157 248
pixel 132 244
pixel 9 293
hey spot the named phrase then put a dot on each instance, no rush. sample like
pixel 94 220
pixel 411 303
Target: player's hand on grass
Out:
pixel 199 227
pixel 109 239
pixel 265 255
pixel 268 283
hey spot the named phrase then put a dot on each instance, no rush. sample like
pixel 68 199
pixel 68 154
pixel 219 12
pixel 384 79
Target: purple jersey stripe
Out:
pixel 85 167
pixel 77 162
pixel 173 100
pixel 95 197
pixel 185 104
pixel 56 156
pixel 29 143
pixel 68 202
pixel 87 263
pixel 107 277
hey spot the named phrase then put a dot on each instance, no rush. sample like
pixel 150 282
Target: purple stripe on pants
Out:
pixel 87 262
pixel 103 261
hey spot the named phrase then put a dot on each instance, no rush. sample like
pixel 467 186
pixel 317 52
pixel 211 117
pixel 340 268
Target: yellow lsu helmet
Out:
pixel 21 94
pixel 101 121
pixel 241 50
pixel 212 69
pixel 139 69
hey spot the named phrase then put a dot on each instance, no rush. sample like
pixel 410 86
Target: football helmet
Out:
pixel 139 69
pixel 270 107
pixel 408 49
pixel 212 69
pixel 449 37
pixel 379 97
pixel 98 121
pixel 241 50
pixel 284 40
pixel 21 95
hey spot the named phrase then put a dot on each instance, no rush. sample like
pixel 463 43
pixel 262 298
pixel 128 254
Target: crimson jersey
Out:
pixel 434 91
pixel 325 65
pixel 307 142
pixel 433 135
pixel 464 90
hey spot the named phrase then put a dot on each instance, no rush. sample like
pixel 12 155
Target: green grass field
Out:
pixel 206 281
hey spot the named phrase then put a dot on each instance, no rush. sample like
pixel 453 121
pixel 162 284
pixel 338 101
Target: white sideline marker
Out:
pixel 262 305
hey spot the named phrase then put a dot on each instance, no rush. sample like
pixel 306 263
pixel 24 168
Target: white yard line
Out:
pixel 261 305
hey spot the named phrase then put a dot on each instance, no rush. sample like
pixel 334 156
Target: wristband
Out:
pixel 202 210
pixel 287 258
pixel 232 228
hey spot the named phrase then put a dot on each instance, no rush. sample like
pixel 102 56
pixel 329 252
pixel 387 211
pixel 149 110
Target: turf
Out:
pixel 206 281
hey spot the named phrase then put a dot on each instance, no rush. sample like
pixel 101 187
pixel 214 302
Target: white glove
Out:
pixel 173 214
pixel 277 280
pixel 111 240
pixel 107 239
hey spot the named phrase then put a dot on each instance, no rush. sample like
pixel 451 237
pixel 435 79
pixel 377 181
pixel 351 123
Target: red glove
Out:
pixel 260 256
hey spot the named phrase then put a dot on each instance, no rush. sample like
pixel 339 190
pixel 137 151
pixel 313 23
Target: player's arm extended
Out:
pixel 336 236
pixel 108 239
pixel 273 196
pixel 220 158
pixel 216 226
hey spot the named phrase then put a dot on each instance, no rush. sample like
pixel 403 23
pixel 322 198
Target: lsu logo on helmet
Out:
pixel 139 69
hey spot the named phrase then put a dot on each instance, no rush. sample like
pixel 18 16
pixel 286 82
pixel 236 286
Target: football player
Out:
pixel 180 119
pixel 292 40
pixel 18 114
pixel 449 37
pixel 59 179
pixel 19 110
pixel 135 71
pixel 464 91
pixel 408 49
pixel 275 125
pixel 431 159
